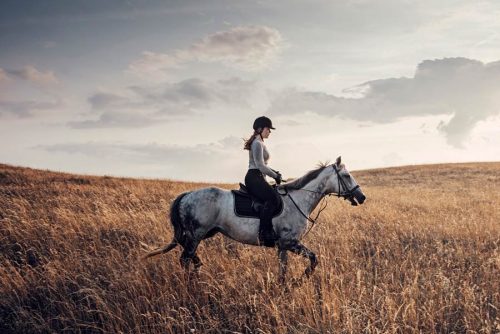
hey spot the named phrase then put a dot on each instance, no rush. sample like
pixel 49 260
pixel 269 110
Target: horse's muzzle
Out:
pixel 359 196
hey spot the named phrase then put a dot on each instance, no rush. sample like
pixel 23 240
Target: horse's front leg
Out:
pixel 283 256
pixel 298 248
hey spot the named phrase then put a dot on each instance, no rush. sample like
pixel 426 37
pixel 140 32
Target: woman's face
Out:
pixel 266 132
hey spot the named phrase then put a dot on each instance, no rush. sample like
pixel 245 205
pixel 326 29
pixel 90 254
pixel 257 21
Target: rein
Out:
pixel 311 220
pixel 346 195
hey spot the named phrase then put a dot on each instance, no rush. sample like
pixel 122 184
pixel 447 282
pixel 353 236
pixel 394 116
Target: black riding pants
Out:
pixel 258 187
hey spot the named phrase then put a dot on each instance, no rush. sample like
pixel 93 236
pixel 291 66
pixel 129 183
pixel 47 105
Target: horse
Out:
pixel 201 214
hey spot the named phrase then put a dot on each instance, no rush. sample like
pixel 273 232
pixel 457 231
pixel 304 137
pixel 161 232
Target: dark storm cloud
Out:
pixel 467 89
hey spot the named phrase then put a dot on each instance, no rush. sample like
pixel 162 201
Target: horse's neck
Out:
pixel 310 195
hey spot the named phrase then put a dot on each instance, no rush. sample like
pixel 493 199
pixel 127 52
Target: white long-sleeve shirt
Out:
pixel 258 157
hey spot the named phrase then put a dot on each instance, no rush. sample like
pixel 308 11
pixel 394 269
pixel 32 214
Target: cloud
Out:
pixel 194 93
pixel 140 106
pixel 244 47
pixel 31 74
pixel 116 119
pixel 467 89
pixel 152 62
pixel 106 100
pixel 25 109
pixel 248 47
pixel 290 122
pixel 3 76
pixel 28 107
pixel 150 152
pixel 178 161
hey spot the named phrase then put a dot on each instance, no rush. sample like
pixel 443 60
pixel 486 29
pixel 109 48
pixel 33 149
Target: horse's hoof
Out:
pixel 296 282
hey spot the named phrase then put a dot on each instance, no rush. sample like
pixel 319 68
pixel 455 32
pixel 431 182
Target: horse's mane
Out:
pixel 311 175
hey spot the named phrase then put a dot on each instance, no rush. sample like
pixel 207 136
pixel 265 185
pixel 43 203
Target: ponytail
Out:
pixel 249 141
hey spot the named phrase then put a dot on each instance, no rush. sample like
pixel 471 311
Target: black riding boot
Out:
pixel 267 236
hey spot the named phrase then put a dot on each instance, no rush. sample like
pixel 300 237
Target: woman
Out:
pixel 255 178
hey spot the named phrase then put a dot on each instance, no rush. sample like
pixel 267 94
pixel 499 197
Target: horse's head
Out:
pixel 342 183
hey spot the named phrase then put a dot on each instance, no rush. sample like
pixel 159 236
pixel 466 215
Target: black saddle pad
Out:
pixel 245 205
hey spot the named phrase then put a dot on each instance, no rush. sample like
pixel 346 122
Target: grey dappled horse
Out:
pixel 200 214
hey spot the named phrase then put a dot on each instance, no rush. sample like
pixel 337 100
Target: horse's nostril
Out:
pixel 360 198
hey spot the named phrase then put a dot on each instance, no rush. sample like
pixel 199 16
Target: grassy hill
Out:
pixel 422 255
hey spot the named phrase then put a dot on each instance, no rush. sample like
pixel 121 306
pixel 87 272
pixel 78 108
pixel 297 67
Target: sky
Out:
pixel 169 89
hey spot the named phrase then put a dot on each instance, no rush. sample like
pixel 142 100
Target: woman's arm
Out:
pixel 258 158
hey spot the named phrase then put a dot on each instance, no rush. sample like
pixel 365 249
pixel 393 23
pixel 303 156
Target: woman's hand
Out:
pixel 278 178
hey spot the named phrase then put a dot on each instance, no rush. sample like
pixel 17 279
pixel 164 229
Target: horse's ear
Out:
pixel 338 161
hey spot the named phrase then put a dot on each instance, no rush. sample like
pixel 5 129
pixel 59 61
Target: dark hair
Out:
pixel 249 141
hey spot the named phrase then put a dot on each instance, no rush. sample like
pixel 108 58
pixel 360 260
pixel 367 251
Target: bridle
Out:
pixel 347 194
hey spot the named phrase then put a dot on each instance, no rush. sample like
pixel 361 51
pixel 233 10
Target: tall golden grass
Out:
pixel 421 256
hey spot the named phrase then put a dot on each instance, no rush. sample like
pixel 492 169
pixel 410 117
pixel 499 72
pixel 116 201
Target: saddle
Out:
pixel 246 205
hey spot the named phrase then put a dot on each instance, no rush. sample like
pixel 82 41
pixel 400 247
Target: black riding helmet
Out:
pixel 262 122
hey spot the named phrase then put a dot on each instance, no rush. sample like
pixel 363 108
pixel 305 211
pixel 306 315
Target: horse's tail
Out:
pixel 176 220
pixel 161 250
pixel 179 234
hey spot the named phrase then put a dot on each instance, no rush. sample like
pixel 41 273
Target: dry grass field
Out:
pixel 422 255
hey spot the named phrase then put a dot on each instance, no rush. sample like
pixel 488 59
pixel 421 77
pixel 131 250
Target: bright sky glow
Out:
pixel 167 89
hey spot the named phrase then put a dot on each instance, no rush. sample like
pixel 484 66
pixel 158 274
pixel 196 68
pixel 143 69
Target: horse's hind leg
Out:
pixel 197 262
pixel 190 245
pixel 189 254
